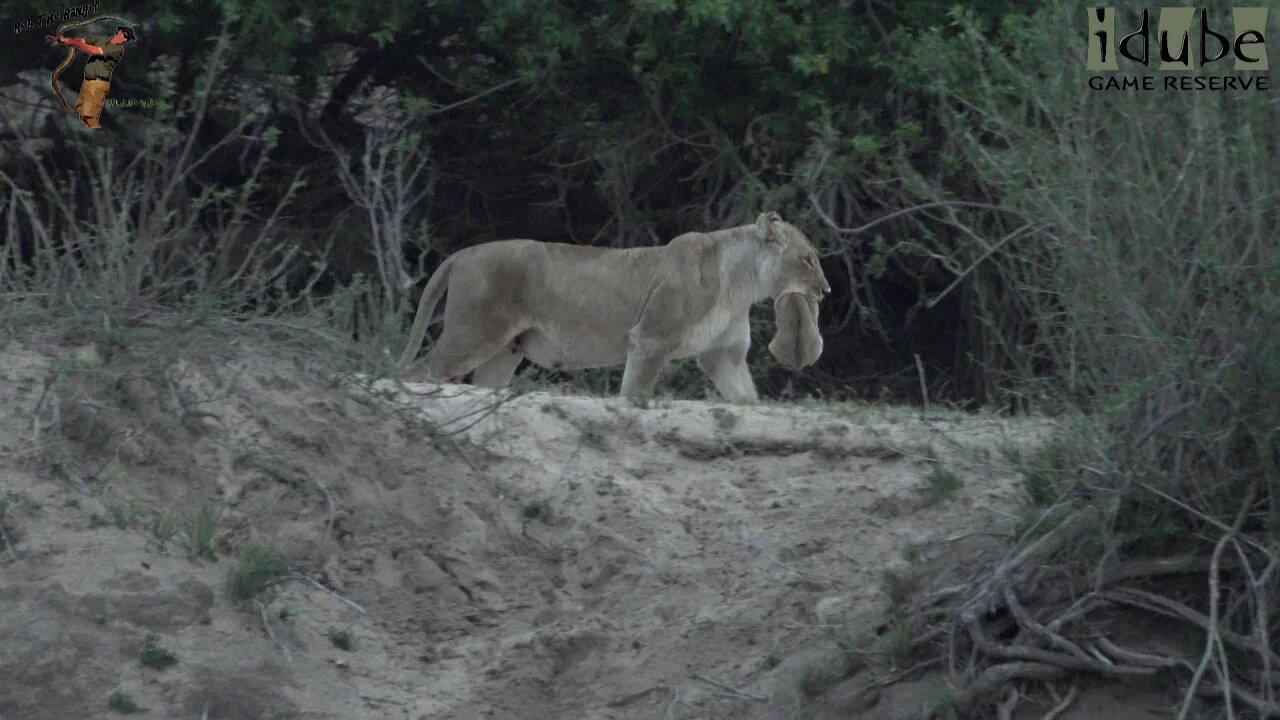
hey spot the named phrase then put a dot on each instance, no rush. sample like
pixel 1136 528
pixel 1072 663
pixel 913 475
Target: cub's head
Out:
pixel 796 283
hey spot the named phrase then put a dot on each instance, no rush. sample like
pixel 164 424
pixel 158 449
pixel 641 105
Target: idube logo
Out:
pixel 1178 50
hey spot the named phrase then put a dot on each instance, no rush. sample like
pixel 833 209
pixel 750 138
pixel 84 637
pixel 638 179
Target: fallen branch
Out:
pixel 729 688
pixel 313 581
pixel 266 625
pixel 632 697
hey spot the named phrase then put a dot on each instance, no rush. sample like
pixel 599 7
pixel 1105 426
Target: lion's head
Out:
pixel 796 284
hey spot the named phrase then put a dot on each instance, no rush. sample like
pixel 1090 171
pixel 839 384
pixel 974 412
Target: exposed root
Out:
pixel 1009 629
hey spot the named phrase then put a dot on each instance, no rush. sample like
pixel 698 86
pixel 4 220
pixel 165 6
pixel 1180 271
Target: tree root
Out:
pixel 1006 636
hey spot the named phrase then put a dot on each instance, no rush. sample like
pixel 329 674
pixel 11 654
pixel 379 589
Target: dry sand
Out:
pixel 551 557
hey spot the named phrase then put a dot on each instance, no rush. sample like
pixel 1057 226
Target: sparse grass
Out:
pixel 288 612
pixel 122 701
pixel 539 510
pixel 343 639
pixel 726 420
pixel 258 569
pixel 944 484
pixel 164 528
pixel 156 656
pixel 200 530
pixel 900 583
pixel 913 553
pixel 894 647
pixel 851 646
pixel 815 678
pixel 523 385
pixel 552 407
pixel 98 520
pixel 594 434
pixel 123 515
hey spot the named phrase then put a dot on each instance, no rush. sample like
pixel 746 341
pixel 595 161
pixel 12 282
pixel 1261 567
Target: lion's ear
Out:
pixel 767 226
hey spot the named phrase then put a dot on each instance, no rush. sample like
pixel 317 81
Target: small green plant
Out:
pixel 1044 470
pixel 156 656
pixel 342 638
pixel 900 583
pixel 943 484
pixel 163 527
pixel 539 510
pixel 258 569
pixel 551 407
pixel 121 701
pixel 913 553
pixel 851 646
pixel 815 678
pixel 125 514
pixel 895 644
pixel 288 612
pixel 725 419
pixel 200 531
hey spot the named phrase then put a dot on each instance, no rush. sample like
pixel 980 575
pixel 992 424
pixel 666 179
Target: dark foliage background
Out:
pixel 609 123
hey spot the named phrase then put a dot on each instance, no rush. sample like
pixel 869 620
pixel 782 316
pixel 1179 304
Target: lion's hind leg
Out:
pixel 496 372
pixel 467 346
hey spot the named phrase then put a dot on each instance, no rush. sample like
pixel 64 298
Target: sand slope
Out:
pixel 549 557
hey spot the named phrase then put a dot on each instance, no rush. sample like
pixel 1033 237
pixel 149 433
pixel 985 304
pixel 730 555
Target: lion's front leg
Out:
pixel 727 368
pixel 641 375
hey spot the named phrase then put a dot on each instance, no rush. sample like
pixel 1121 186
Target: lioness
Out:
pixel 571 307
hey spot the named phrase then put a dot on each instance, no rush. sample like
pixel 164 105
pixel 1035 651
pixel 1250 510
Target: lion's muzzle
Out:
pixel 797 343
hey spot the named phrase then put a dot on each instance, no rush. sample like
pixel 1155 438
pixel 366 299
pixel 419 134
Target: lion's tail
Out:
pixel 426 308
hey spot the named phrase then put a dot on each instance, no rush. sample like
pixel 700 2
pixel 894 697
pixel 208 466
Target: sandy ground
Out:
pixel 493 556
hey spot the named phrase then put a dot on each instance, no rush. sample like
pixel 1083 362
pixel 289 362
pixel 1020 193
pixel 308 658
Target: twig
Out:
pixel 1175 609
pixel 35 412
pixel 1212 521
pixel 924 388
pixel 328 500
pixel 1137 658
pixel 960 277
pixel 729 688
pixel 1004 711
pixel 313 581
pixel 632 697
pixel 266 625
pixel 813 201
pixel 7 545
pixel 670 714
pixel 1213 640
pixel 1046 657
pixel 1024 618
pixel 1062 706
